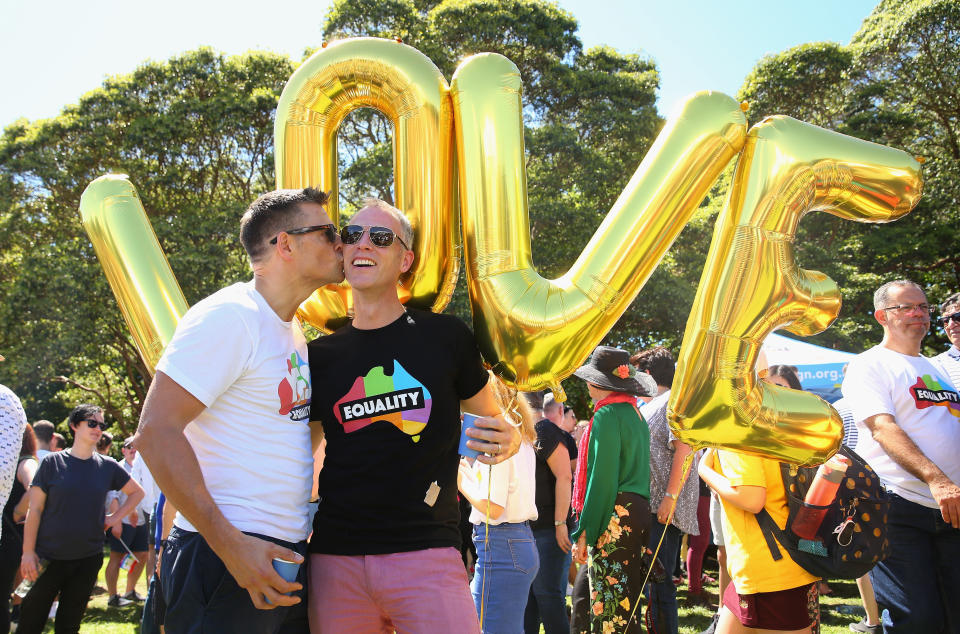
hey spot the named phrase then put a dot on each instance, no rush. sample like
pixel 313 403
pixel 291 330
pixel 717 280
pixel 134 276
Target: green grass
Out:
pixel 837 611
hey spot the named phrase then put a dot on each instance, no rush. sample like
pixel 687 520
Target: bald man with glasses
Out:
pixel 907 413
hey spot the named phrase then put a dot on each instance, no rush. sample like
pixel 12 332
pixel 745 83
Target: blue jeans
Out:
pixel 548 594
pixel 918 585
pixel 662 597
pixel 507 562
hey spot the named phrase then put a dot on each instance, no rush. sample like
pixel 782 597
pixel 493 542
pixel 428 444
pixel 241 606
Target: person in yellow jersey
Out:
pixel 764 595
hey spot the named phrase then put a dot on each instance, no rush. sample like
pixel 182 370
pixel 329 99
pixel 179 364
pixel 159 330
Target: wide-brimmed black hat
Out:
pixel 610 369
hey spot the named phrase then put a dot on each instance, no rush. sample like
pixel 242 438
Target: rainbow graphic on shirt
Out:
pixel 399 399
pixel 294 389
pixel 928 392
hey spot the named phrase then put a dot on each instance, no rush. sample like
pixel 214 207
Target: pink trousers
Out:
pixel 420 591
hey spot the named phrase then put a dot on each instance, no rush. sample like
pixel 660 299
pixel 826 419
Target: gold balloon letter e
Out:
pixel 751 286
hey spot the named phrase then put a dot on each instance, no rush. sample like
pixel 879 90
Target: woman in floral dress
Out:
pixel 612 491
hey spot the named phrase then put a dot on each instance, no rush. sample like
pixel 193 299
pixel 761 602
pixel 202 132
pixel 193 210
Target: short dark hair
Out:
pixel 788 373
pixel 82 412
pixel 272 213
pixel 953 300
pixel 43 429
pixel 658 362
pixel 61 441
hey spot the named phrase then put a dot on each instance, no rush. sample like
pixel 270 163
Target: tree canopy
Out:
pixel 195 135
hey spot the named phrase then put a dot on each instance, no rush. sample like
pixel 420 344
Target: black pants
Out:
pixel 617 567
pixel 73 580
pixel 11 547
pixel 580 601
pixel 202 597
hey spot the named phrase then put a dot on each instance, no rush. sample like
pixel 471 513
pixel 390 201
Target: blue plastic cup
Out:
pixel 286 569
pixel 465 424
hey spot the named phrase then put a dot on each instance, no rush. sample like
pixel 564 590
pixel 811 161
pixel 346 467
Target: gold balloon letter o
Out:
pixel 403 84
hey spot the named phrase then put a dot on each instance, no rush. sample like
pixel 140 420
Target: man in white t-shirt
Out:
pixel 225 428
pixel 908 418
pixel 949 361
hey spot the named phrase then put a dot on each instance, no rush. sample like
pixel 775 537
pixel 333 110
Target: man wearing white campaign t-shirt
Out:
pixel 949 361
pixel 908 418
pixel 225 428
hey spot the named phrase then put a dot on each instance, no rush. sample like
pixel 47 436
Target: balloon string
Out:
pixel 687 462
pixel 486 547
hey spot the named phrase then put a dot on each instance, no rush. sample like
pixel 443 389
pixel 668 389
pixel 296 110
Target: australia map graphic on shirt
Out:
pixel 928 392
pixel 294 389
pixel 399 399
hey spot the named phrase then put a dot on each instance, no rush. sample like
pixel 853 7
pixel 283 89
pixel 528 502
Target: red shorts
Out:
pixel 782 610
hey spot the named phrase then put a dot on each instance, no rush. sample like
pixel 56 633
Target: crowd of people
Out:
pixel 255 533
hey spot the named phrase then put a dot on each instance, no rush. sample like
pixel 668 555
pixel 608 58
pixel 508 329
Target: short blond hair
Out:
pixel 406 229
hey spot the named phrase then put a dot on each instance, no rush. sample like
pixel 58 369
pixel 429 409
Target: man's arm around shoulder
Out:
pixel 898 445
pixel 168 409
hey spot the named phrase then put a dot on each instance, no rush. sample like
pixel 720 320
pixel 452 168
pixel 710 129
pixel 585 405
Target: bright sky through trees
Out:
pixel 54 51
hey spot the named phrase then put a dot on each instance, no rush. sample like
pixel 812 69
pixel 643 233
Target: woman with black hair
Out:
pixel 64 531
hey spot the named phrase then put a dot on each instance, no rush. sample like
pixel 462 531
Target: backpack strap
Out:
pixel 771 533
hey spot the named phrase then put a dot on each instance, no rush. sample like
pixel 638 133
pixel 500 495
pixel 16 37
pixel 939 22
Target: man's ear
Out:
pixel 880 316
pixel 284 247
pixel 407 262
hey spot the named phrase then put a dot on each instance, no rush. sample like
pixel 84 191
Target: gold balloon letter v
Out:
pixel 536 331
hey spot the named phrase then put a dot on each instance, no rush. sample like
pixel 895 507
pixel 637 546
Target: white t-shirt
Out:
pixel 949 363
pixel 249 367
pixel 510 484
pixel 923 402
pixel 12 421
pixel 151 492
pixel 121 497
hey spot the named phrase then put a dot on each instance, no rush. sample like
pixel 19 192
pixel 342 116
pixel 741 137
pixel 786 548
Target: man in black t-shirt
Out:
pixel 556 450
pixel 389 388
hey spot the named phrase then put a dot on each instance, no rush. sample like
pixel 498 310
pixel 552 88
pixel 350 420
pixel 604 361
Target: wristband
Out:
pixel 559 522
pixel 670 495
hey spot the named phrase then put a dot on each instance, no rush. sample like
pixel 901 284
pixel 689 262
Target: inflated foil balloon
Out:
pixel 751 286
pixel 535 331
pixel 410 91
pixel 139 274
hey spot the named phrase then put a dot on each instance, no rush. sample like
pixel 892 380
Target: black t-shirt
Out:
pixel 548 437
pixel 71 526
pixel 389 400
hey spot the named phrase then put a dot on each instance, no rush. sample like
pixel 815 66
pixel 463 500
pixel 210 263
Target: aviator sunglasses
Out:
pixel 379 236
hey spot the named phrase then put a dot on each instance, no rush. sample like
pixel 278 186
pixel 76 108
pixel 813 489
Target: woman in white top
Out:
pixel 507 559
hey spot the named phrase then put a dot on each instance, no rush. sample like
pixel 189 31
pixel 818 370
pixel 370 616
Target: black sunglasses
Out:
pixel 329 232
pixel 93 424
pixel 946 319
pixel 379 236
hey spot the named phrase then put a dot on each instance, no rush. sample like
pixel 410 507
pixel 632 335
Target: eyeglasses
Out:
pixel 93 424
pixel 329 232
pixel 946 319
pixel 379 236
pixel 909 308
